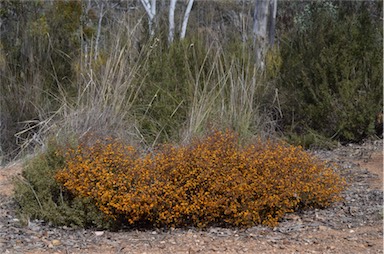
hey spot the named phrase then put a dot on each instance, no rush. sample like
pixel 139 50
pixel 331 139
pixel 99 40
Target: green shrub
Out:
pixel 310 139
pixel 211 181
pixel 331 75
pixel 39 196
pixel 168 74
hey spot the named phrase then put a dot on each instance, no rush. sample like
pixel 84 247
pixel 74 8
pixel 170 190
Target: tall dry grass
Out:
pixel 233 95
pixel 223 91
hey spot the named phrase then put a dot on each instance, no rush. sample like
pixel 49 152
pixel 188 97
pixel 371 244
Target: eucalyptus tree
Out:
pixel 150 8
pixel 264 19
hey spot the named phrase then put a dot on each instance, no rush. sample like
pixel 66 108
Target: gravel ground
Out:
pixel 352 226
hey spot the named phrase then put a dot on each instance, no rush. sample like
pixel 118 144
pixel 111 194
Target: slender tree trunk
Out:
pixel 150 8
pixel 272 21
pixel 185 19
pixel 171 21
pixel 263 29
pixel 153 9
pixel 101 14
pixel 260 22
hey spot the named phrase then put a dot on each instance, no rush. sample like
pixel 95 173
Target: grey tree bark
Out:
pixel 185 19
pixel 150 8
pixel 101 14
pixel 171 34
pixel 264 20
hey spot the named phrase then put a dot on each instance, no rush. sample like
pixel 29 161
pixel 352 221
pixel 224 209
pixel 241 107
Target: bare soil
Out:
pixel 352 226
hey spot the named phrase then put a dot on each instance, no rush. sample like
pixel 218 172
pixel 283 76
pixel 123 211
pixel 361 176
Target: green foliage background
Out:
pixel 331 76
pixel 323 79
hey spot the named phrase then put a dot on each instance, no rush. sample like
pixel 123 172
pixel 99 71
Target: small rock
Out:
pixel 353 210
pixel 293 217
pixel 99 233
pixel 352 239
pixel 33 226
pixel 56 242
pixel 323 228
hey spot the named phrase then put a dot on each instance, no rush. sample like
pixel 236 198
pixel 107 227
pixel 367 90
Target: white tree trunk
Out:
pixel 101 14
pixel 260 23
pixel 171 34
pixel 185 19
pixel 264 29
pixel 150 8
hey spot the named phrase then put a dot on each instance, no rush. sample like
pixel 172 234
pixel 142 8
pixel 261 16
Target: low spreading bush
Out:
pixel 39 196
pixel 211 181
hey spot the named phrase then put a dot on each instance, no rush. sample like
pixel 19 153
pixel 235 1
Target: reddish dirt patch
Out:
pixel 6 175
pixel 375 166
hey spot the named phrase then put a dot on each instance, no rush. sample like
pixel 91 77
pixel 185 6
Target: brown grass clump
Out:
pixel 211 181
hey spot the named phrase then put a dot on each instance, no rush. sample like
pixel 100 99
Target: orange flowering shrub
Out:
pixel 211 181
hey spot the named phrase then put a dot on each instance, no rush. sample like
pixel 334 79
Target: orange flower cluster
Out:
pixel 211 181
